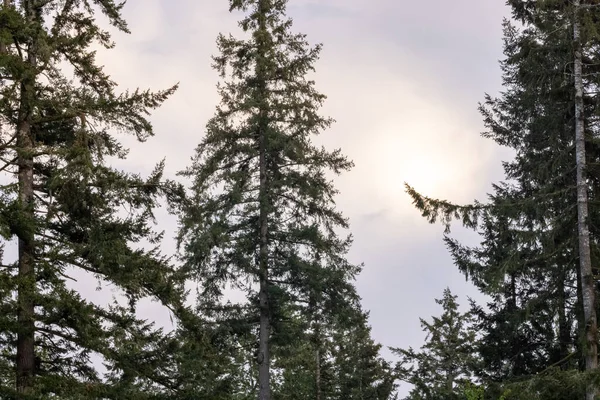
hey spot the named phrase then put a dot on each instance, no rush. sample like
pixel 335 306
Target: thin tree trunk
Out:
pixel 318 373
pixel 315 320
pixel 265 320
pixel 564 335
pixel 317 344
pixel 264 373
pixel 585 263
pixel 26 272
pixel 580 322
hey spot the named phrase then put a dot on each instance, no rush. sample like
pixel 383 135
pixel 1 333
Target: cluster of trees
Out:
pixel 540 228
pixel 258 217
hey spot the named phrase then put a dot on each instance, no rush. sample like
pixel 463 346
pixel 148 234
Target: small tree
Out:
pixel 447 359
pixel 334 359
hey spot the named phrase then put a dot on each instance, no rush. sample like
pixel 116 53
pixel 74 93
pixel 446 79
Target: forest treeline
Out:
pixel 256 217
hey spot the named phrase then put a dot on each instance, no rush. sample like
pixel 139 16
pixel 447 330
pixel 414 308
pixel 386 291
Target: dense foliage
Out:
pixel 261 215
pixel 62 202
pixel 446 363
pixel 260 210
pixel 535 330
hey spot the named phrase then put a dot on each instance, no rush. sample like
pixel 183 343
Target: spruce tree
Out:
pixel 332 357
pixel 447 361
pixel 528 260
pixel 63 203
pixel 261 216
pixel 359 370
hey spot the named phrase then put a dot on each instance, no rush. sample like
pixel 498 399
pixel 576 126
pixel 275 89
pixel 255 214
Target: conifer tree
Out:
pixel 359 370
pixel 588 284
pixel 334 359
pixel 211 361
pixel 63 203
pixel 262 216
pixel 530 256
pixel 447 361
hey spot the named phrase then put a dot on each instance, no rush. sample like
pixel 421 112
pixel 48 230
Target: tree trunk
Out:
pixel 317 342
pixel 265 319
pixel 264 373
pixel 318 374
pixel 564 328
pixel 580 323
pixel 585 263
pixel 26 272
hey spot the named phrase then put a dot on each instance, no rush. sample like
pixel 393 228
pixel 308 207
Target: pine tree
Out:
pixel 447 361
pixel 261 215
pixel 64 203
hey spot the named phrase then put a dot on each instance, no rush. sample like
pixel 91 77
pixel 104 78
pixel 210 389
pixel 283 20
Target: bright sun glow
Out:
pixel 430 162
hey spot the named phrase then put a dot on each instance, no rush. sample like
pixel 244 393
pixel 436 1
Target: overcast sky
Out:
pixel 403 79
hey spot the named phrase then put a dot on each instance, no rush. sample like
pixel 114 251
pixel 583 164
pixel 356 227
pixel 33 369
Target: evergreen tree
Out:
pixel 334 359
pixel 360 373
pixel 212 360
pixel 447 361
pixel 63 204
pixel 528 260
pixel 261 215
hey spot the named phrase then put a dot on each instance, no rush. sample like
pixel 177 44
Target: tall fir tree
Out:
pixel 262 216
pixel 63 204
pixel 531 260
pixel 588 282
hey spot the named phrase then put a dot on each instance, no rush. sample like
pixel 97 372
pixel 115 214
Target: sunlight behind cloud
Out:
pixel 403 127
pixel 407 152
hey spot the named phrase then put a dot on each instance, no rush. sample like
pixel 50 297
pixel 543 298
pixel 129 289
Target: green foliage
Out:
pixel 527 261
pixel 219 225
pixel 58 130
pixel 552 384
pixel 474 392
pixel 361 373
pixel 260 219
pixel 477 392
pixel 211 361
pixel 447 360
pixel 336 358
pixel 261 208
